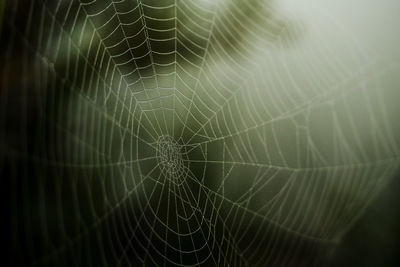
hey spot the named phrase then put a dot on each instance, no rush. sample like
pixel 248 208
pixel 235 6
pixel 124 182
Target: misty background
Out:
pixel 271 129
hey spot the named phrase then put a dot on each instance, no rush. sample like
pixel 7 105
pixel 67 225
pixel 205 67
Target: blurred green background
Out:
pixel 283 118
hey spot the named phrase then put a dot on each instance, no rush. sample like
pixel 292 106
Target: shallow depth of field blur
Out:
pixel 194 132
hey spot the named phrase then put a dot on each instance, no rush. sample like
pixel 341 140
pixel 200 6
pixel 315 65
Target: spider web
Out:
pixel 186 133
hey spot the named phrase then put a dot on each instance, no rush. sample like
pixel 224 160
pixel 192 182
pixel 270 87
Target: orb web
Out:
pixel 186 133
